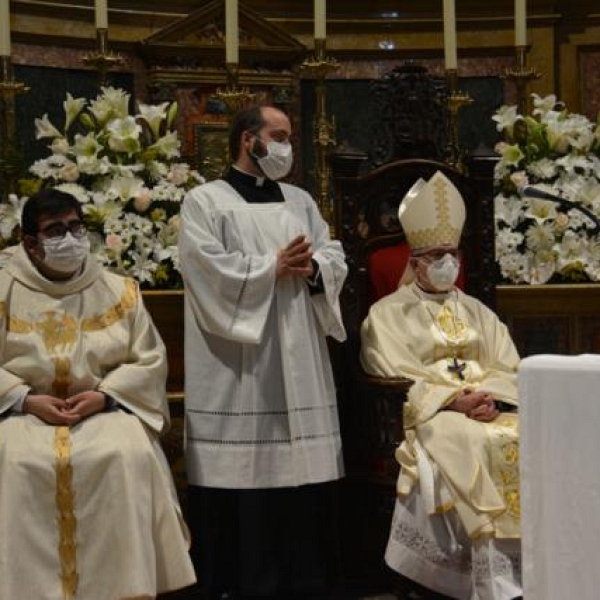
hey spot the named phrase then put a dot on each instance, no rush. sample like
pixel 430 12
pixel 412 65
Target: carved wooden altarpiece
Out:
pixel 186 61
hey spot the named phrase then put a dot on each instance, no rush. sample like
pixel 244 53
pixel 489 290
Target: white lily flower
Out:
pixel 154 115
pixel 512 154
pixel 167 145
pixel 126 188
pixel 505 118
pixel 72 106
pixel 124 135
pixel 558 136
pixel 543 105
pixel 541 210
pixel 86 145
pixel 45 129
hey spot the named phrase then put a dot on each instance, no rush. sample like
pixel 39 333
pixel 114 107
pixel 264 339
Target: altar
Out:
pixel 560 479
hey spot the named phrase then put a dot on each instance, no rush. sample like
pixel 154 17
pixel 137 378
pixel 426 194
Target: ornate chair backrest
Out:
pixel 412 115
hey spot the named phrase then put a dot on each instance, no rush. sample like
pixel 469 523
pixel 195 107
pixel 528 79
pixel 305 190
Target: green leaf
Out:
pixel 172 115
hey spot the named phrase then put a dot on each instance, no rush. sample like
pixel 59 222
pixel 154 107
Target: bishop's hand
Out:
pixel 478 405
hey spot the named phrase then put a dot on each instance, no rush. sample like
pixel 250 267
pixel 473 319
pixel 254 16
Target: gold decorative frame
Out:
pixel 211 148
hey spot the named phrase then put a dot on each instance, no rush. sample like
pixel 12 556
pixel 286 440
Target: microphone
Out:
pixel 530 191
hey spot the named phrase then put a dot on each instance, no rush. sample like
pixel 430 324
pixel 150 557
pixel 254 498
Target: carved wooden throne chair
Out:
pixel 368 190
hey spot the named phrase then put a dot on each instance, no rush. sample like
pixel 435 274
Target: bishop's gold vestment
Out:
pixel 87 512
pixel 473 465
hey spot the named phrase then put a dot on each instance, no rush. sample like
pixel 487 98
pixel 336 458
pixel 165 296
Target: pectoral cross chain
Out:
pixel 457 368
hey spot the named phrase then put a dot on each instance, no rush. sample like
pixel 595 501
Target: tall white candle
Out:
pixel 520 22
pixel 101 14
pixel 232 52
pixel 320 27
pixel 450 35
pixel 4 28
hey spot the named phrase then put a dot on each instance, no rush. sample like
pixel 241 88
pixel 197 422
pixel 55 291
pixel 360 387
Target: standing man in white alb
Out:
pixel 262 283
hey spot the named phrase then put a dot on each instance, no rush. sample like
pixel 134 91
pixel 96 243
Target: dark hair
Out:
pixel 249 119
pixel 47 202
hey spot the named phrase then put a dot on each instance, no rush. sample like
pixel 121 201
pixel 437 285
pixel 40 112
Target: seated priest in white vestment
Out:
pixel 87 505
pixel 455 527
pixel 262 281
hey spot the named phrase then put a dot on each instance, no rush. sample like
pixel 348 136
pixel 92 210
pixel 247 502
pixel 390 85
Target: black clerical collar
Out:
pixel 252 188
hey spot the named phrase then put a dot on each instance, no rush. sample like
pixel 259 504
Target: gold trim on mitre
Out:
pixel 432 213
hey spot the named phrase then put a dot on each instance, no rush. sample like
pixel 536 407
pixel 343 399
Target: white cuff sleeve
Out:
pixel 16 397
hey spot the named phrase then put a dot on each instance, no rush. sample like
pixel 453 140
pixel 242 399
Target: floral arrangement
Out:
pixel 126 172
pixel 557 152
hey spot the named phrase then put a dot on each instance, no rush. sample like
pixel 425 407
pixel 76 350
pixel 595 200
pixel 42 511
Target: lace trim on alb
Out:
pixel 412 538
pixel 489 562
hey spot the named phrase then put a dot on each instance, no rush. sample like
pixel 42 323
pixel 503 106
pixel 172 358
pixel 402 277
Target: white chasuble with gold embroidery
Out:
pixel 89 511
pixel 446 344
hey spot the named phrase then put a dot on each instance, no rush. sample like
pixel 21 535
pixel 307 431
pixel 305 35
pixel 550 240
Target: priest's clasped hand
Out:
pixel 295 259
pixel 479 406
pixel 71 411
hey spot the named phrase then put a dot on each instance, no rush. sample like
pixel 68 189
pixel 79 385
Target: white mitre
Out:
pixel 432 213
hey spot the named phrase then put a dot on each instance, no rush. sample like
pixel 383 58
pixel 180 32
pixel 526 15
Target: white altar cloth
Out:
pixel 560 476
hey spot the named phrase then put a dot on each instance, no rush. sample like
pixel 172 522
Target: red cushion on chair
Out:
pixel 386 266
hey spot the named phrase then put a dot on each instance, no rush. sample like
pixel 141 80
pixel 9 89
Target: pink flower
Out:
pixel 519 178
pixel 142 200
pixel 112 241
pixel 69 172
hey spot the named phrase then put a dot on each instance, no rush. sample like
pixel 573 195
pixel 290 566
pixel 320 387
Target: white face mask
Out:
pixel 278 160
pixel 65 254
pixel 442 273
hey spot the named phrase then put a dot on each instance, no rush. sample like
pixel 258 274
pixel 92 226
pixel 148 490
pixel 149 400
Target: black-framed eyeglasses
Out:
pixel 57 230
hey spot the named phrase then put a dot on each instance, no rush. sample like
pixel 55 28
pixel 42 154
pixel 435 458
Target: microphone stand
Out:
pixel 532 192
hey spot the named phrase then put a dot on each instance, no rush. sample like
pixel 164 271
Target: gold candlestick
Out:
pixel 318 67
pixel 10 155
pixel 234 97
pixel 521 75
pixel 455 101
pixel 102 59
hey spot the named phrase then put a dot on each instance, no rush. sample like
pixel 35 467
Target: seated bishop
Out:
pixel 455 528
